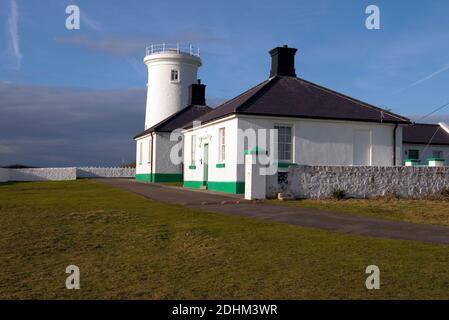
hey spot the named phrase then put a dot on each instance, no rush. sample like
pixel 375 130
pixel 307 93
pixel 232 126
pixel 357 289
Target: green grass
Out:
pixel 417 211
pixel 129 247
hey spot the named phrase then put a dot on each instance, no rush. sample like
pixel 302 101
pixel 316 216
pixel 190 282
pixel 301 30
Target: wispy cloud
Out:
pixel 125 46
pixel 426 78
pixel 13 28
pixel 91 22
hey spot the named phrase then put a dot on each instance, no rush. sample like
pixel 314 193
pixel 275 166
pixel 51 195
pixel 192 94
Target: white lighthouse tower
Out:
pixel 171 70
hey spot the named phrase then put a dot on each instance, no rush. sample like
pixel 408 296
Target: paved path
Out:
pixel 236 205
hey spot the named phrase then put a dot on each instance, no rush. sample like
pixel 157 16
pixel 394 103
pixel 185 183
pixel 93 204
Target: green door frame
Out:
pixel 206 164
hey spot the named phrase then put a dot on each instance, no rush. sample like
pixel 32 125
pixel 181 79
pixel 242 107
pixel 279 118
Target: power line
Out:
pixel 436 110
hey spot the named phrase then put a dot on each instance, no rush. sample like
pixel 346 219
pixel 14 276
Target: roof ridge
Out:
pixel 360 102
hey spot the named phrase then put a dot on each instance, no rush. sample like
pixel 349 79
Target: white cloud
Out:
pixel 13 28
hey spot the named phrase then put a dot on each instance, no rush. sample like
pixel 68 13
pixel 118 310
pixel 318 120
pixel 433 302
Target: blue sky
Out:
pixel 403 66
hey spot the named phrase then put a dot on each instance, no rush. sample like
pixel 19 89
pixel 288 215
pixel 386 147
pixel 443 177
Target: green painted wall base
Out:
pixel 222 186
pixel 159 177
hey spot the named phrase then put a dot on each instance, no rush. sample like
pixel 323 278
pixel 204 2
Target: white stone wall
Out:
pixel 365 182
pixel 4 175
pixel 98 172
pixel 72 173
pixel 42 174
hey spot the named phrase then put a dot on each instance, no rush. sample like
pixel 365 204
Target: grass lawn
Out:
pixel 417 211
pixel 129 247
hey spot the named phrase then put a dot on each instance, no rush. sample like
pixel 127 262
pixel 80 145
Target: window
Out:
pixel 150 148
pixel 284 143
pixel 437 154
pixel 174 75
pixel 140 152
pixel 192 151
pixel 221 145
pixel 413 154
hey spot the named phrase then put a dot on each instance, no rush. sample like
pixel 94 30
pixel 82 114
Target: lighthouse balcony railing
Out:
pixel 167 47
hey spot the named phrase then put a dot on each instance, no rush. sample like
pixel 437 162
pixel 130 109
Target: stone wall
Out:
pixel 42 174
pixel 4 175
pixel 365 182
pixel 101 172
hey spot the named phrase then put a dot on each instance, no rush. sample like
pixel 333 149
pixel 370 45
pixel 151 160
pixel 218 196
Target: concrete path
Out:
pixel 236 205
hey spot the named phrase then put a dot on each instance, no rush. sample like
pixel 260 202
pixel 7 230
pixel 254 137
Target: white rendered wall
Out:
pixel 209 134
pixel 316 142
pixel 425 152
pixel 162 162
pixel 142 146
pixel 326 142
pixel 165 97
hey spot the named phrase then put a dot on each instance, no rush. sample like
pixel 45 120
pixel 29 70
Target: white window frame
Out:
pixel 193 150
pixel 140 152
pixel 292 142
pixel 222 145
pixel 172 72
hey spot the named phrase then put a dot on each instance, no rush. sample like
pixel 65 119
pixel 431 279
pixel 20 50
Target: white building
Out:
pixel 174 98
pixel 315 125
pixel 426 142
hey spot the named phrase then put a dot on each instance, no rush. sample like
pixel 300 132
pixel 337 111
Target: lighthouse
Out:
pixel 172 69
pixel 175 98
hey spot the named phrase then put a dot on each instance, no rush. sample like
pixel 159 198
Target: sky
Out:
pixel 77 97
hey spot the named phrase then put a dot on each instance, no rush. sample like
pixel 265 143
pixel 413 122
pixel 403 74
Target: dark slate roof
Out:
pixel 178 120
pixel 421 133
pixel 294 97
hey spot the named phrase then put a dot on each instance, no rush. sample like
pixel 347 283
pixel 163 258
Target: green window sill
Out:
pixel 192 167
pixel 220 165
pixel 435 159
pixel 285 164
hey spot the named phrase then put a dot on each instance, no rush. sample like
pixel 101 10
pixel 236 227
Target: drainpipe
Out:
pixel 151 156
pixel 394 144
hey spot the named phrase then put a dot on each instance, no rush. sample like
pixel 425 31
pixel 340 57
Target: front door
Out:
pixel 206 164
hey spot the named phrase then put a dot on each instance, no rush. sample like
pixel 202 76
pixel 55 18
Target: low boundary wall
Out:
pixel 364 181
pixel 70 173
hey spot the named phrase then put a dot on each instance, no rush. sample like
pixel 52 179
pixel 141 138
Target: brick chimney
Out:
pixel 283 61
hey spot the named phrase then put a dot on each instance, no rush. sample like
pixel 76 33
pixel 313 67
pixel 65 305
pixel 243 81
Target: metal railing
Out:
pixel 176 48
